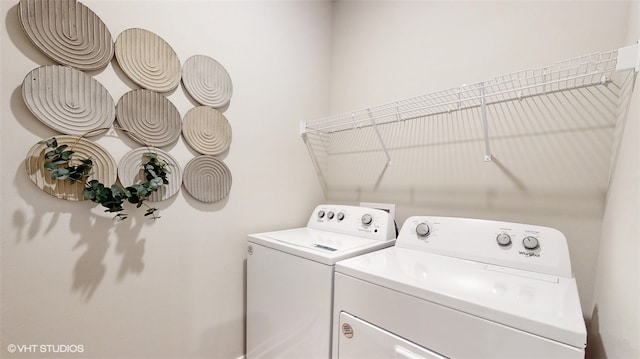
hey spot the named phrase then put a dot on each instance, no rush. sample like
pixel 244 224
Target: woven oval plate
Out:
pixel 148 60
pixel 68 32
pixel 207 179
pixel 206 130
pixel 68 100
pixel 207 81
pixel 130 172
pixel 149 118
pixel 104 167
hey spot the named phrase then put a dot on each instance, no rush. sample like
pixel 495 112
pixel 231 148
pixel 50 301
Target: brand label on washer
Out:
pixel 347 330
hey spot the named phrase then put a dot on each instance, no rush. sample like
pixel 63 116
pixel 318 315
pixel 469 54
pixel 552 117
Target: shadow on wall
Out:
pixel 595 347
pixel 86 221
pixel 90 268
pixel 20 39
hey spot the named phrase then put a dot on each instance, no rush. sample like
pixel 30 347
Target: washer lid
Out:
pixel 541 304
pixel 320 246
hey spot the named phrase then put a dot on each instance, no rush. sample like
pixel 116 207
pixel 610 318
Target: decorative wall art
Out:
pixel 149 118
pixel 68 32
pixel 104 167
pixel 207 179
pixel 206 130
pixel 130 171
pixel 148 60
pixel 71 102
pixel 207 81
pixel 67 100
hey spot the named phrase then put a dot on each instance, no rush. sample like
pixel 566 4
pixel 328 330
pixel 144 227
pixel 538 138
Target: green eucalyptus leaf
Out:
pixel 103 194
pixel 52 142
pixel 95 185
pixel 50 154
pixel 60 173
pixel 66 155
pixel 118 191
pixel 156 183
pixel 88 194
pixel 75 176
pixel 49 166
pixel 60 149
pixel 143 192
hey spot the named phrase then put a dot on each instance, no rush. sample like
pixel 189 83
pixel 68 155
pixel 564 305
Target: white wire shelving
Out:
pixel 574 73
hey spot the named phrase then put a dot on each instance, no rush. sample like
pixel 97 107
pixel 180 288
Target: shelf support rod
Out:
pixel 353 121
pixel 485 124
pixel 375 127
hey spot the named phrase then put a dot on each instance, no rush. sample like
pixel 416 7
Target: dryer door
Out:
pixel 359 339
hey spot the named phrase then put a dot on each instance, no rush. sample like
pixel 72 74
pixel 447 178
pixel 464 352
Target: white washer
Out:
pixel 460 288
pixel 290 278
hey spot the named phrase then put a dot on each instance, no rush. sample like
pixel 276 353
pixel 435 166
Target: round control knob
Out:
pixel 330 215
pixel 321 214
pixel 423 229
pixel 340 216
pixel 530 242
pixel 367 219
pixel 503 239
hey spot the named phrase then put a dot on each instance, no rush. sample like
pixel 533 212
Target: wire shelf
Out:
pixel 578 72
pixel 588 70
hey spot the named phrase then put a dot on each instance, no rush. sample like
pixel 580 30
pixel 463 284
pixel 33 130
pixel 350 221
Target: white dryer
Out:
pixel 290 279
pixel 460 288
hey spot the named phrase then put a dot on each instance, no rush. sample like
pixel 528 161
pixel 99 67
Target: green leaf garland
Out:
pixel 58 162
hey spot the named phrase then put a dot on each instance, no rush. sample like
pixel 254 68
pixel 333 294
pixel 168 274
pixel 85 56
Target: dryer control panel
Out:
pixel 353 220
pixel 499 244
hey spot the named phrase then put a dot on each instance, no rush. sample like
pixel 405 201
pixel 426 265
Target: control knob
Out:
pixel 503 239
pixel 320 214
pixel 423 229
pixel 330 215
pixel 340 216
pixel 530 242
pixel 366 219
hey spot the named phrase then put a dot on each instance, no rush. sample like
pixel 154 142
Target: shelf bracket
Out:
pixel 485 124
pixel 629 58
pixel 375 127
pixel 354 122
pixel 398 115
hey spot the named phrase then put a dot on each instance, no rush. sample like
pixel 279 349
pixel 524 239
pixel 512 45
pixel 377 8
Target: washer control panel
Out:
pixel 514 245
pixel 353 220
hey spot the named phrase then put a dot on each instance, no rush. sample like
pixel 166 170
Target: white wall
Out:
pixel 174 287
pixel 615 329
pixel 385 51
